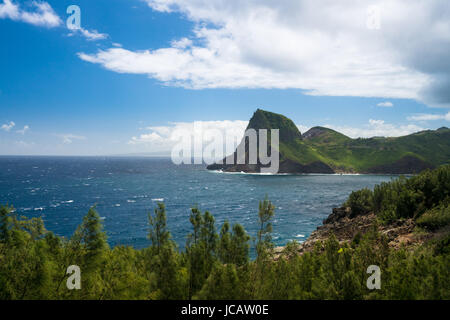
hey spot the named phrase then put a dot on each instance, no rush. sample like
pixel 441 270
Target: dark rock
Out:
pixel 338 214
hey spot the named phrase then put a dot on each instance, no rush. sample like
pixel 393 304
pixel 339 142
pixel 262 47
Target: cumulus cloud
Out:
pixel 302 128
pixel 91 35
pixel 24 130
pixel 8 126
pixel 69 138
pixel 42 13
pixel 386 104
pixel 320 47
pixel 9 10
pixel 163 138
pixel 429 117
pixel 377 128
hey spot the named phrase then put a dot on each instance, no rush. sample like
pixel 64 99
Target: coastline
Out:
pixel 344 227
pixel 311 174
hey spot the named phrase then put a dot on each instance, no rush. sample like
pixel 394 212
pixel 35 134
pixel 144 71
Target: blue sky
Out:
pixel 138 69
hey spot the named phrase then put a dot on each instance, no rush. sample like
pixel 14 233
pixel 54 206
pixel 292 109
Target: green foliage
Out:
pixel 201 249
pixel 233 246
pixel 435 218
pixel 265 215
pixel 222 284
pixel 410 198
pixel 158 233
pixel 361 201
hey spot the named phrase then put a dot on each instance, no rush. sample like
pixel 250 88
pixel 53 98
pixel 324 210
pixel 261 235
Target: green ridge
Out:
pixel 408 154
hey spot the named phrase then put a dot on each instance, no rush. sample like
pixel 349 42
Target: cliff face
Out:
pixel 323 150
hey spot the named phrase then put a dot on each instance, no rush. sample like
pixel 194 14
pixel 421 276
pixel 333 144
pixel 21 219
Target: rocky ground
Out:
pixel 345 226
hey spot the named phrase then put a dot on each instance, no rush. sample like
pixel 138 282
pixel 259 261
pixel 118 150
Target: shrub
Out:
pixel 361 201
pixel 436 218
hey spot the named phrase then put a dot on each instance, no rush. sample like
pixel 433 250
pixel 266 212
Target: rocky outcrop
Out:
pixel 286 166
pixel 345 227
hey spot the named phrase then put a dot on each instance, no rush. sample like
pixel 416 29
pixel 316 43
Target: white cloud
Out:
pixel 43 14
pixel 322 47
pixel 152 137
pixel 24 130
pixel 68 138
pixel 386 104
pixel 8 126
pixel 182 43
pixel 429 117
pixel 91 35
pixel 163 138
pixel 377 128
pixel 9 10
pixel 302 128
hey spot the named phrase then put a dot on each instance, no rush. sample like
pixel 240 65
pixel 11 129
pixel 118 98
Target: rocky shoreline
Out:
pixel 345 226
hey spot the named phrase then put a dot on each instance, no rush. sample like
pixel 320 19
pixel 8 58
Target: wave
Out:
pixel 253 173
pixel 288 174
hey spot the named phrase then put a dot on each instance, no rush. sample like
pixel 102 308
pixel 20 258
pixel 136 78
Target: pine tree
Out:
pixel 158 232
pixel 265 215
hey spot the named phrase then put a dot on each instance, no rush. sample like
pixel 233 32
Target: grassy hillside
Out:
pixel 361 155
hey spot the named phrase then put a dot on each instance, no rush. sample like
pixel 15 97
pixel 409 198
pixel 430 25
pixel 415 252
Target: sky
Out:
pixel 135 71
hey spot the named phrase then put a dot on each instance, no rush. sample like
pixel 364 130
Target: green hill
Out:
pixel 323 150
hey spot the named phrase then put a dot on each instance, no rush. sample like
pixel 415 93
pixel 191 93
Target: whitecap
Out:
pixel 158 199
pixel 300 236
pixel 131 201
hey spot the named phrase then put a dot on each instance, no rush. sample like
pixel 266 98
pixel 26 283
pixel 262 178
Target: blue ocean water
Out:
pixel 62 189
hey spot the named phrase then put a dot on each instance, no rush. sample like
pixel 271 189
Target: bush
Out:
pixel 361 202
pixel 436 218
pixel 411 198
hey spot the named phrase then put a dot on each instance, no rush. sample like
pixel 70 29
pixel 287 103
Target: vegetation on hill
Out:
pixel 216 265
pixel 339 153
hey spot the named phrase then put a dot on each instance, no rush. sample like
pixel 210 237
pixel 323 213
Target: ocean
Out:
pixel 124 189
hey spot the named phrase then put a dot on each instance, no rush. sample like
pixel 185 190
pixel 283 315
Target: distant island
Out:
pixel 323 150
